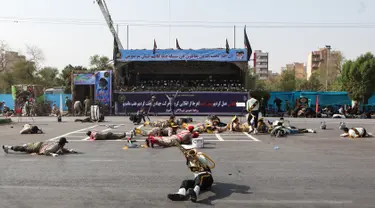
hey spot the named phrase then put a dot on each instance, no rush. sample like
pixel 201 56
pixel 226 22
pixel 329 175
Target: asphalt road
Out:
pixel 308 170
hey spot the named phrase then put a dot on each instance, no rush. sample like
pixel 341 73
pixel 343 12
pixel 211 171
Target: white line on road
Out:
pixel 251 137
pixel 210 140
pixel 79 130
pixel 70 136
pixel 219 137
pixel 227 201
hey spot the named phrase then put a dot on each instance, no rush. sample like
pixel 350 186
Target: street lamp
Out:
pixel 328 47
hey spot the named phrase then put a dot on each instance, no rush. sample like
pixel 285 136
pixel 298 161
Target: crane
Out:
pixel 108 19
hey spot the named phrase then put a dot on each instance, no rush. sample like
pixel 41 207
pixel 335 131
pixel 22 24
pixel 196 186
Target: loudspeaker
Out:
pixel 94 113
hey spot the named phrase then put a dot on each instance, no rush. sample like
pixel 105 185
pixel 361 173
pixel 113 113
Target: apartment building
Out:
pixel 261 64
pixel 272 74
pixel 299 69
pixel 8 59
pixel 326 61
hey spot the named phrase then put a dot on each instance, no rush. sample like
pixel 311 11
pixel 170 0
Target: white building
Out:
pixel 261 64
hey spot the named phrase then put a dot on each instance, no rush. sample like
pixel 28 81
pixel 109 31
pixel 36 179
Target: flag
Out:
pixel 247 45
pixel 317 104
pixel 178 45
pixel 226 46
pixel 155 47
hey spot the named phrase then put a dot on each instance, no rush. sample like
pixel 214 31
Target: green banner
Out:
pixel 14 92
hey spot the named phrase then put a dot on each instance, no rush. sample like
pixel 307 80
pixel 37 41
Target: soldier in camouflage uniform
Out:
pixel 42 148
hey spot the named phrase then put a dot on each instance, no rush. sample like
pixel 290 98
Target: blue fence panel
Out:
pixel 55 99
pixel 371 101
pixel 334 98
pixel 7 98
pixel 282 96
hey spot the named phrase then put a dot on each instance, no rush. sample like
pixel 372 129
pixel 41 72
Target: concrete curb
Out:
pixel 5 121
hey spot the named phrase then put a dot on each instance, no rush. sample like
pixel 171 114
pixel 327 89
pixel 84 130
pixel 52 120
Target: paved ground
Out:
pixel 309 170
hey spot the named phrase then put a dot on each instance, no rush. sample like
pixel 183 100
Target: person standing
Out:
pixel 278 102
pixel 68 104
pixel 87 103
pixel 252 107
pixel 171 102
pixel 152 105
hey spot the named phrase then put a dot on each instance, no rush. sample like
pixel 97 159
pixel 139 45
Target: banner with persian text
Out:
pixel 186 103
pixel 219 55
pixel 84 79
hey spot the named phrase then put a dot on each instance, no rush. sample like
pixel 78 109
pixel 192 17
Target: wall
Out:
pixel 325 98
pixel 55 99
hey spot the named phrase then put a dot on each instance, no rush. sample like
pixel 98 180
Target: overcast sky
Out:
pixel 70 31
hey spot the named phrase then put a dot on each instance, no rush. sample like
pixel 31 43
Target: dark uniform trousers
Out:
pixel 204 181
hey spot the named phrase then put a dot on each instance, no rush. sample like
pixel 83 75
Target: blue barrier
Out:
pixel 55 99
pixel 325 98
pixel 7 98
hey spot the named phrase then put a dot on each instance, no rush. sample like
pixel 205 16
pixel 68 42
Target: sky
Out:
pixel 70 31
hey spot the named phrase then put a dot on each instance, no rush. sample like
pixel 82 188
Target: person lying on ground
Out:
pixel 236 126
pixel 42 148
pixel 215 121
pixel 262 126
pixel 356 132
pixel 94 135
pixel 184 137
pixel 162 123
pixel 281 130
pixel 29 129
pixel 158 131
pixel 183 120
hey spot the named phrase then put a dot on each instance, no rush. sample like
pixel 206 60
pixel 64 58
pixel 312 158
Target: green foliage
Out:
pixel 313 84
pixel 287 81
pixel 251 78
pixel 358 77
pixel 66 76
pixel 27 71
pixel 48 77
pixel 99 63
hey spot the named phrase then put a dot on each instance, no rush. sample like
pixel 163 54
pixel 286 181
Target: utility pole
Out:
pixel 127 37
pixel 234 36
pixel 328 47
pixel 169 20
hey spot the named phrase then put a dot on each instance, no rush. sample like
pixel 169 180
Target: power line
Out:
pixel 169 24
pixel 183 21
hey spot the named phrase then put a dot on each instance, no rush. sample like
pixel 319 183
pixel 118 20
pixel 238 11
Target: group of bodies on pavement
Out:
pixel 175 132
pixel 163 133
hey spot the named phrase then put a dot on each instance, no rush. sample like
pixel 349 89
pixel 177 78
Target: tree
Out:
pixel 288 80
pixel 3 60
pixel 24 72
pixel 65 77
pixel 99 63
pixel 314 83
pixel 251 78
pixel 358 77
pixel 48 76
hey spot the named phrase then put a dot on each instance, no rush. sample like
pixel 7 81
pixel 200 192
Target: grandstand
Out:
pixel 196 74
pixel 167 74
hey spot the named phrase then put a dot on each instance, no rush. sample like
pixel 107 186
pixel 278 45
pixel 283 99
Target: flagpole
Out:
pixel 127 37
pixel 169 20
pixel 234 36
